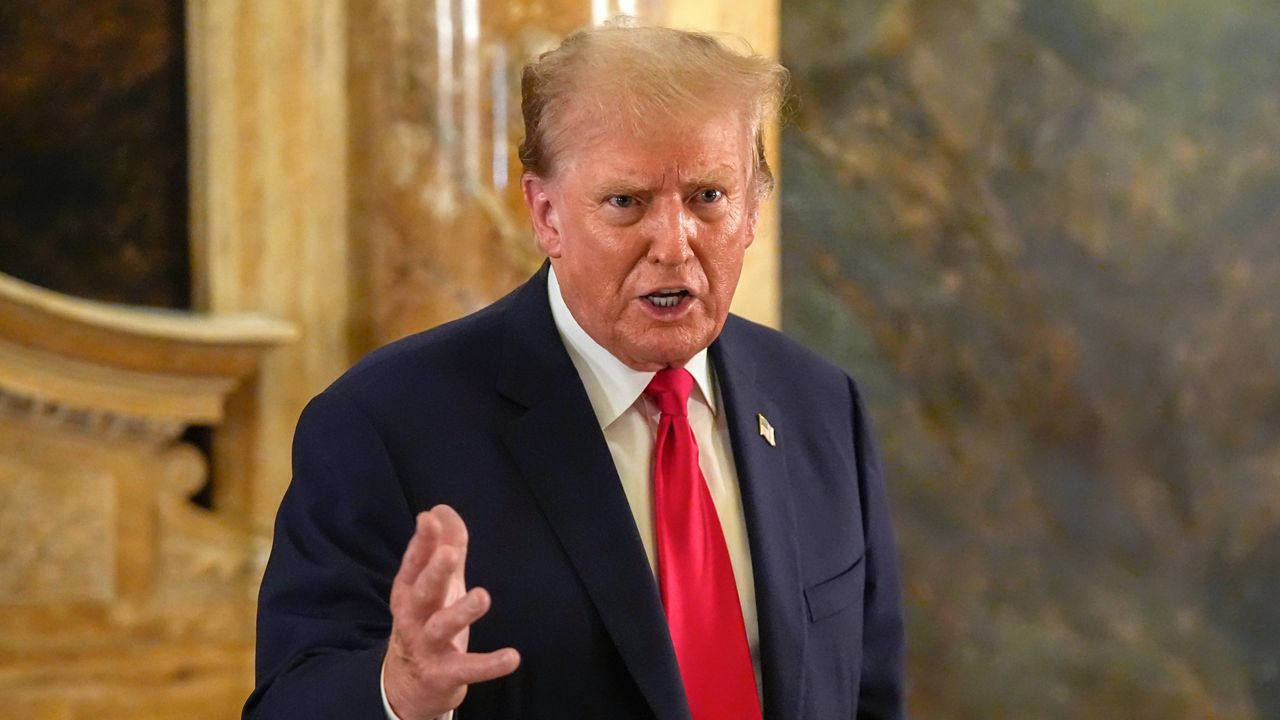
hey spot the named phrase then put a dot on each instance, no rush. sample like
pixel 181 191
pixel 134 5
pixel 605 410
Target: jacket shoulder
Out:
pixel 776 354
pixel 459 353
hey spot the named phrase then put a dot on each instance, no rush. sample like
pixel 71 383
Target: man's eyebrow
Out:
pixel 719 175
pixel 623 181
pixel 618 186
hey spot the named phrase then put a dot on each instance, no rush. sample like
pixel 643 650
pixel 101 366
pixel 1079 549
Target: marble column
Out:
pixel 268 114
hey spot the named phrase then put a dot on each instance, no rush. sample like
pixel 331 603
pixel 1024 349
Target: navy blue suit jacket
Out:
pixel 488 415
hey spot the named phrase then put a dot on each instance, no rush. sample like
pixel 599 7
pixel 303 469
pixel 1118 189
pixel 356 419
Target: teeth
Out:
pixel 666 301
pixel 667 298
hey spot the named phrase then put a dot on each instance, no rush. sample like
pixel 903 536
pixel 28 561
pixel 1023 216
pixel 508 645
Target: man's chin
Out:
pixel 656 353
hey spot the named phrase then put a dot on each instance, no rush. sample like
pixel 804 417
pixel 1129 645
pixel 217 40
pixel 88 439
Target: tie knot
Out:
pixel 670 389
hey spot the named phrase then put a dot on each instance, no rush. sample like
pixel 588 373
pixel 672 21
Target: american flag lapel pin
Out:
pixel 766 430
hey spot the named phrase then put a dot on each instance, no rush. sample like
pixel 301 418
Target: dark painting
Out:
pixel 93 148
pixel 1045 237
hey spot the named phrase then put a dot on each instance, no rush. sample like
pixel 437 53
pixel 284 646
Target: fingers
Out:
pixel 431 589
pixel 421 548
pixel 433 529
pixel 455 663
pixel 443 626
pixel 431 578
pixel 452 530
pixel 453 533
pixel 425 535
pixel 427 664
pixel 464 667
pixel 469 668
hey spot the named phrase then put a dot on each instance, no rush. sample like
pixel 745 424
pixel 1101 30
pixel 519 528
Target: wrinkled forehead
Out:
pixel 593 134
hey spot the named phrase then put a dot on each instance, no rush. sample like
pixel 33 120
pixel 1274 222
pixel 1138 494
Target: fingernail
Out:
pixel 474 601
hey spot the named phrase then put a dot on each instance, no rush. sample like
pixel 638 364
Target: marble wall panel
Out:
pixel 57 528
pixel 437 219
pixel 1043 236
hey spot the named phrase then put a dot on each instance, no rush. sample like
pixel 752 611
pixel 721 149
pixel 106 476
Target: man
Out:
pixel 602 496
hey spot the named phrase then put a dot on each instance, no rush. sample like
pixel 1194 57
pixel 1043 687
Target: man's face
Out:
pixel 647 231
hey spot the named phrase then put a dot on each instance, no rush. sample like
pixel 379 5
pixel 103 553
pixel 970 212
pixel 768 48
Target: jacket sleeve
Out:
pixel 323 612
pixel 882 693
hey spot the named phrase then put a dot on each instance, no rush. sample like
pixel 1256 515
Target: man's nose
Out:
pixel 671 230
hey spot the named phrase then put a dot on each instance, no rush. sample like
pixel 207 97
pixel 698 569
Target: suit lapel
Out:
pixel 562 455
pixel 771 524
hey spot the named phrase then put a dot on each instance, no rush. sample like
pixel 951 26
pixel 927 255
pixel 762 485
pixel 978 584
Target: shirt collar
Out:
pixel 612 387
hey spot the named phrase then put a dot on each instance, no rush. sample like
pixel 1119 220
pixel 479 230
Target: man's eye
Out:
pixel 621 201
pixel 710 195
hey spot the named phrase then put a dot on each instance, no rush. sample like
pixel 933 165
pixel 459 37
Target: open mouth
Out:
pixel 667 298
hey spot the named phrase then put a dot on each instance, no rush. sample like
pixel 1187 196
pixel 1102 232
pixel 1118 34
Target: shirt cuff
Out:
pixel 386 706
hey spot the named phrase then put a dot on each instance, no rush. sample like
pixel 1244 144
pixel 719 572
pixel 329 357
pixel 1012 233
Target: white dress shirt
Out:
pixel 629 421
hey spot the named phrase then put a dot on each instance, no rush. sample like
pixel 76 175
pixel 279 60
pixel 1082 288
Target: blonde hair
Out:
pixel 640 74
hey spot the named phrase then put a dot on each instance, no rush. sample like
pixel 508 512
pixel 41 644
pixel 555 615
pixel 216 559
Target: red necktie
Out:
pixel 694 573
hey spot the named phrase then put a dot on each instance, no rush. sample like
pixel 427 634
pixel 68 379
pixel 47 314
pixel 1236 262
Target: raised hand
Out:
pixel 427 667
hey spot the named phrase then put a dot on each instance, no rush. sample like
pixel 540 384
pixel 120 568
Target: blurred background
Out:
pixel 1041 233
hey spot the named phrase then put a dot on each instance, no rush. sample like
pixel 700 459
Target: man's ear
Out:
pixel 753 218
pixel 546 222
